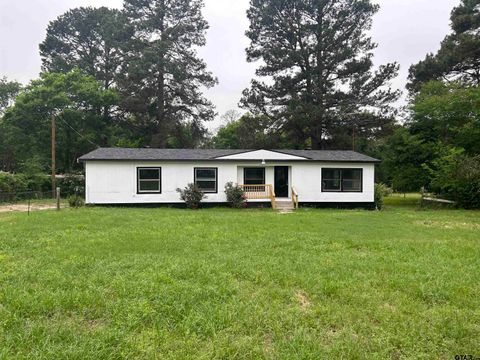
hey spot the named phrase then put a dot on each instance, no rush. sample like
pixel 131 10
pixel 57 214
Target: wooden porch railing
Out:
pixel 295 198
pixel 257 192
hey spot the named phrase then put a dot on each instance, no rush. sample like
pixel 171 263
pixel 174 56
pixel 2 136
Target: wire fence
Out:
pixel 13 197
pixel 30 201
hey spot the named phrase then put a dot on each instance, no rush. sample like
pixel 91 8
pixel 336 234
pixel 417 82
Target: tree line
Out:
pixel 435 145
pixel 133 78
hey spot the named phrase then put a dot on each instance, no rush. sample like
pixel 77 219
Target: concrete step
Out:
pixel 284 203
pixel 285 206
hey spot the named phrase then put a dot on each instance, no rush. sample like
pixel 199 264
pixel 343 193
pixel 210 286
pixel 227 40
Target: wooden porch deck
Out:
pixel 267 192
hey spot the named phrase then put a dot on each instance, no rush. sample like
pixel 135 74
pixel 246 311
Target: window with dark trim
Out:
pixel 342 180
pixel 149 180
pixel 254 176
pixel 206 179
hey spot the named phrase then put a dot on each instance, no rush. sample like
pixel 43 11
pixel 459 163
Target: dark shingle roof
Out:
pixel 331 155
pixel 122 154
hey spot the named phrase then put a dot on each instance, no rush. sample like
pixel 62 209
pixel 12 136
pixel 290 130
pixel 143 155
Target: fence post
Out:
pixel 422 201
pixel 58 198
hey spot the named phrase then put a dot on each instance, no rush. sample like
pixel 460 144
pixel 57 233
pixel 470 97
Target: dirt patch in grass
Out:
pixel 389 307
pixel 24 207
pixel 268 344
pixel 303 300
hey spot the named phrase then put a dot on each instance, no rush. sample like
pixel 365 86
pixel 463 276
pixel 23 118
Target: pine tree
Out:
pixel 163 74
pixel 90 39
pixel 317 57
pixel 459 55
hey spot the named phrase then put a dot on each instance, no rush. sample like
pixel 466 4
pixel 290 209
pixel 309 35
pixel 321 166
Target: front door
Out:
pixel 281 181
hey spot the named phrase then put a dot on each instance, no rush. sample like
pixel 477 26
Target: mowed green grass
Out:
pixel 122 283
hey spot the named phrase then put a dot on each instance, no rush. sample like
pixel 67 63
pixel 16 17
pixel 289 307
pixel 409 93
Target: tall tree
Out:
pixel 73 98
pixel 459 54
pixel 404 161
pixel 90 39
pixel 163 74
pixel 230 116
pixel 250 132
pixel 317 57
pixel 8 92
pixel 448 114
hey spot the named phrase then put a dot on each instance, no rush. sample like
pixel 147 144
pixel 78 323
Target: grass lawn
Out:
pixel 119 283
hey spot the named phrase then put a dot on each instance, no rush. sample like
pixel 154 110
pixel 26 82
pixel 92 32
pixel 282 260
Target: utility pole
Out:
pixel 54 142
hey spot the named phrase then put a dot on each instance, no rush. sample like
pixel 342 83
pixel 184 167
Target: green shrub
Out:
pixel 7 182
pixel 13 183
pixel 39 182
pixel 18 183
pixel 192 196
pixel 457 178
pixel 72 184
pixel 385 189
pixel 76 201
pixel 235 195
pixel 16 187
pixel 381 191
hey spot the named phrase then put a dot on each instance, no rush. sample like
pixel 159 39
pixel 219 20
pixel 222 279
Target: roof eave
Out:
pixel 375 161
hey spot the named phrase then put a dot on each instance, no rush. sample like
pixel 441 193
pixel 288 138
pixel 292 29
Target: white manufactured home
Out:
pixel 306 177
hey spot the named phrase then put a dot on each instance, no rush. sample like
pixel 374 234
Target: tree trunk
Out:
pixel 159 139
pixel 317 138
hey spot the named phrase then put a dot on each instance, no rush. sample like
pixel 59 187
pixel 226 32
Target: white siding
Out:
pixel 114 182
pixel 307 179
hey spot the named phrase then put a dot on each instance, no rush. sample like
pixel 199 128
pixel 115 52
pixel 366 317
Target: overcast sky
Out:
pixel 404 29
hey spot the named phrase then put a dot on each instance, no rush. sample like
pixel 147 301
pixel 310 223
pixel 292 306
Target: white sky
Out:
pixel 404 29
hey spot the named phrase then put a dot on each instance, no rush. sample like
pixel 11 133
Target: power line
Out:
pixel 81 135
